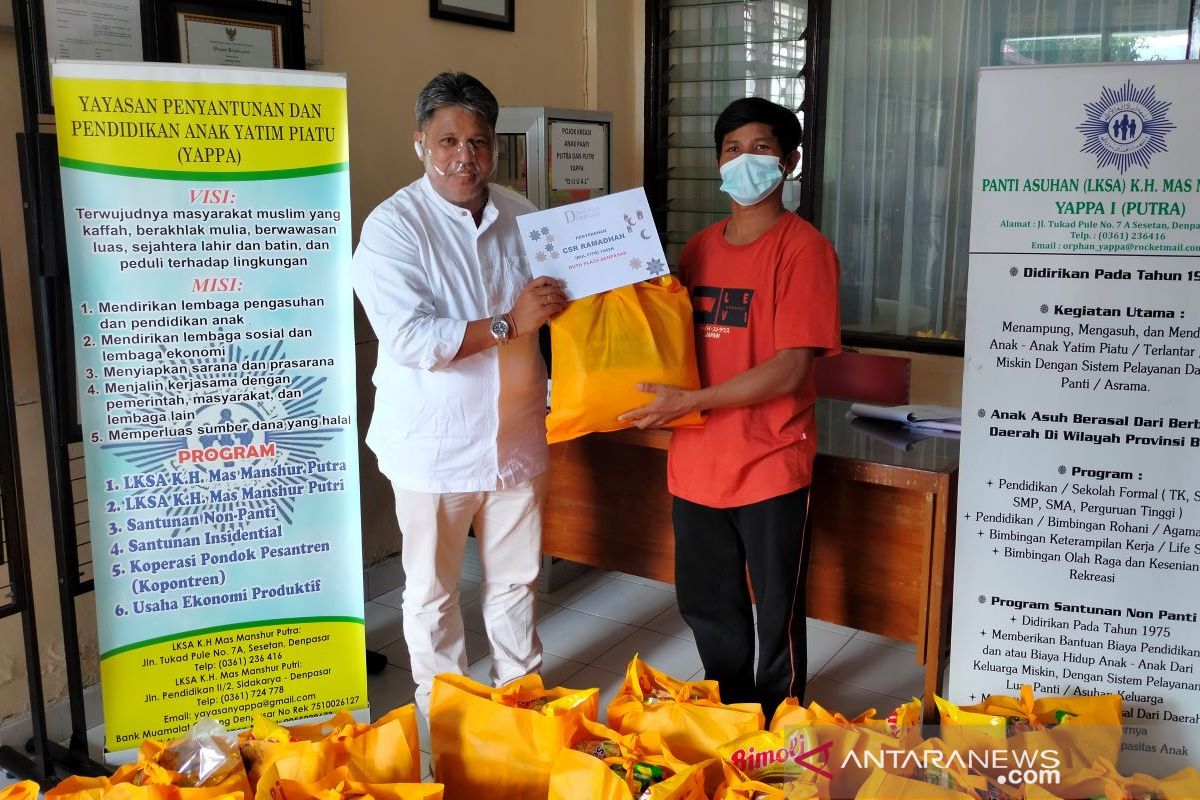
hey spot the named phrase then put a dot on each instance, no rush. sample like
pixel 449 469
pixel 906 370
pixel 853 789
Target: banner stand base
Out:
pixel 62 761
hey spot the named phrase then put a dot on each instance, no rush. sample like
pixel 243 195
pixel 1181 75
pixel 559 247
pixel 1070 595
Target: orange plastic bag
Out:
pixel 82 788
pixel 576 774
pixel 902 723
pixel 197 759
pixel 1077 730
pixel 386 751
pixel 338 785
pixel 24 790
pixel 689 717
pixel 602 346
pixel 1102 780
pixel 881 785
pixel 933 771
pixel 849 743
pixel 502 743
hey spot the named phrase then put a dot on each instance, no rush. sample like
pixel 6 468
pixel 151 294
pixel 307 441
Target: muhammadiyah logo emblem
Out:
pixel 1125 127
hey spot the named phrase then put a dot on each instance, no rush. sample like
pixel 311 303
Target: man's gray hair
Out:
pixel 457 89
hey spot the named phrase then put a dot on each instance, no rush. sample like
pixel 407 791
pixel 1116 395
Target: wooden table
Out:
pixel 882 524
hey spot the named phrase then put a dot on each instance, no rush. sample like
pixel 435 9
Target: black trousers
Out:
pixel 713 548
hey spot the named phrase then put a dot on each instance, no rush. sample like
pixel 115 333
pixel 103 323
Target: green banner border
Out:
pixel 177 175
pixel 233 626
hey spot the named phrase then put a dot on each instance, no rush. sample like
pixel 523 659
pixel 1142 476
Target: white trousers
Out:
pixel 508 532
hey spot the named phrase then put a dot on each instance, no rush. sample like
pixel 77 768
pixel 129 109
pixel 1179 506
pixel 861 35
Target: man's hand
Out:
pixel 541 299
pixel 669 403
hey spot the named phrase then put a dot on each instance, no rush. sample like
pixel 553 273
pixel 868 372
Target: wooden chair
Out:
pixel 863 378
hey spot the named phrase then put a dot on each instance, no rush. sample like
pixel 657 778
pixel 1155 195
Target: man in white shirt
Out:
pixel 460 403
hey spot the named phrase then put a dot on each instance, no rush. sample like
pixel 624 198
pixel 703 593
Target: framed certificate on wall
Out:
pixel 488 13
pixel 236 33
pixel 204 39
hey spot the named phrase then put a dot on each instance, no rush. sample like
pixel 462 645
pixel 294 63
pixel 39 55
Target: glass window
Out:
pixel 899 133
pixel 715 53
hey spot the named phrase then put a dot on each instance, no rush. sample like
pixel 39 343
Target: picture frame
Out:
pixel 486 13
pixel 245 33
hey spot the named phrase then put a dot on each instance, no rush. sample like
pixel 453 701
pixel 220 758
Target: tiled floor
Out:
pixel 592 626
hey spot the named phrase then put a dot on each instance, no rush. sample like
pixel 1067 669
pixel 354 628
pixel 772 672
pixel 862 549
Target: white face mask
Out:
pixel 456 166
pixel 749 178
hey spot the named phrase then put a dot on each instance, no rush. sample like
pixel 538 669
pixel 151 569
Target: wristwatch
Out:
pixel 501 329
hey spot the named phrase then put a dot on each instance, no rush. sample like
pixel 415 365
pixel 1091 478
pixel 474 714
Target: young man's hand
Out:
pixel 782 373
pixel 669 403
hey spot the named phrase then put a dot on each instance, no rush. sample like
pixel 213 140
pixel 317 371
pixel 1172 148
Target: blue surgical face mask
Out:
pixel 749 178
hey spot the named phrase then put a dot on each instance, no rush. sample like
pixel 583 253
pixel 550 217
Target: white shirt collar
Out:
pixel 459 213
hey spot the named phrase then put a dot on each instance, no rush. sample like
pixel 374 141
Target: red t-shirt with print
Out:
pixel 750 301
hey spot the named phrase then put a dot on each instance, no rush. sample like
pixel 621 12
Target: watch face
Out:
pixel 500 328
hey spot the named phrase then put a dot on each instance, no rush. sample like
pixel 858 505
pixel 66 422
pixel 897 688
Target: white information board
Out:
pixel 578 155
pixel 1078 544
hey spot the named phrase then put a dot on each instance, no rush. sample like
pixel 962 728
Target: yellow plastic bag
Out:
pixel 602 346
pixel 850 743
pixel 1102 780
pixel 338 785
pixel 903 722
pixel 24 790
pixel 386 751
pixel 502 743
pixel 689 717
pixel 773 766
pixel 881 785
pixel 576 774
pixel 83 788
pixel 1077 730
pixel 188 762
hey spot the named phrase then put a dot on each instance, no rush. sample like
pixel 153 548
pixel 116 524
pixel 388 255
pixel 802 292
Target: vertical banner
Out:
pixel 1078 546
pixel 207 224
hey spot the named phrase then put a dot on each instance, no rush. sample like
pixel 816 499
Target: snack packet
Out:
pixel 765 765
pixel 207 756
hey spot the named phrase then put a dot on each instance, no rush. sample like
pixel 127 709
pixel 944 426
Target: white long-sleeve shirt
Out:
pixel 422 270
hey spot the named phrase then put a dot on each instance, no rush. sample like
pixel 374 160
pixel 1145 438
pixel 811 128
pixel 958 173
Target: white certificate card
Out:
pixel 595 245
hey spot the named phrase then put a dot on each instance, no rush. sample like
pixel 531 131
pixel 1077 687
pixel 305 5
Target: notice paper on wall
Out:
pixel 1078 541
pixel 578 155
pixel 207 219
pixel 101 30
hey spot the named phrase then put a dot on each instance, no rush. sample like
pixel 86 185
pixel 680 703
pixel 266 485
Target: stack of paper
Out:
pixel 922 417
pixel 902 437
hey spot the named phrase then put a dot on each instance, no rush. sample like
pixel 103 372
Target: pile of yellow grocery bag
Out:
pixel 662 739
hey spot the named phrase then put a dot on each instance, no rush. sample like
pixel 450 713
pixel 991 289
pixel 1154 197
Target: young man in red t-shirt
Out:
pixel 764 288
